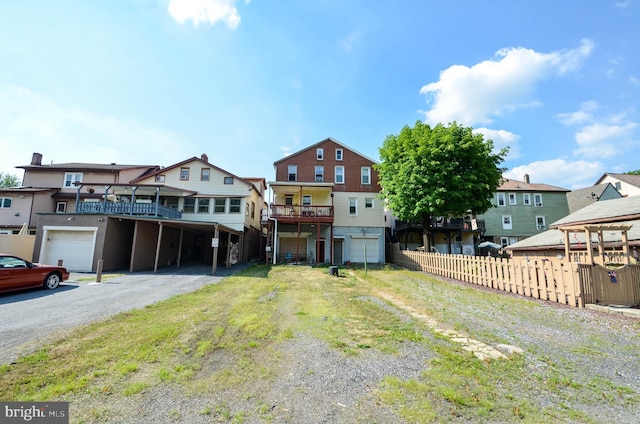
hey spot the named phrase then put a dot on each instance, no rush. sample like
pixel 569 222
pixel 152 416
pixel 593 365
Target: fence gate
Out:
pixel 619 286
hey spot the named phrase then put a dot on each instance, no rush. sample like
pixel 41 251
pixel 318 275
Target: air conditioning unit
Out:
pixel 542 227
pixel 538 204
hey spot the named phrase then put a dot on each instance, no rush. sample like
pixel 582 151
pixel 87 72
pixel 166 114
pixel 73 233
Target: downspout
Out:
pixel 275 240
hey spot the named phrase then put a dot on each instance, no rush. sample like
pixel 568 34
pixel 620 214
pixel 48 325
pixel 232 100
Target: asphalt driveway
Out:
pixel 32 318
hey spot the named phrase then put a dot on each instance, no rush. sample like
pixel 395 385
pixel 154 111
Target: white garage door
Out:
pixel 358 245
pixel 75 248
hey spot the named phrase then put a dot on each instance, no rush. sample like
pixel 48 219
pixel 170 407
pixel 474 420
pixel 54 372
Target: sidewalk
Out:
pixel 613 309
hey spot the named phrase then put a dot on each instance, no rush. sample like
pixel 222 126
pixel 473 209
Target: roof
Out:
pixel 580 198
pixel 606 211
pixel 509 184
pixel 554 239
pixel 79 166
pixel 627 178
pixel 158 171
pixel 313 146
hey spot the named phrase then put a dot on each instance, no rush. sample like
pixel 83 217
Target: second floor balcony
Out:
pixel 444 224
pixel 128 208
pixel 300 213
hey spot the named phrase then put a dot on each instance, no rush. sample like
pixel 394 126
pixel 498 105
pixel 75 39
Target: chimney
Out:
pixel 526 178
pixel 204 157
pixel 36 159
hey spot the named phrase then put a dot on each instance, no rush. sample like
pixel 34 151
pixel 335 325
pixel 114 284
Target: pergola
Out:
pixel 599 230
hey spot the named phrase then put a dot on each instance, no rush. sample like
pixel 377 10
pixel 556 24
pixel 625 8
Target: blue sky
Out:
pixel 246 82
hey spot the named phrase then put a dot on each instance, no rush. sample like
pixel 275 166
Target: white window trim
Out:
pixel 362 175
pixel 339 154
pixel 341 167
pixel 224 206
pixel 307 196
pixel 526 199
pixel 542 226
pixel 294 173
pixel 315 173
pixel 372 203
pixel 355 199
pixel 512 199
pixel 540 203
pixel 76 177
pixel 508 226
pixel 504 199
pixel 320 154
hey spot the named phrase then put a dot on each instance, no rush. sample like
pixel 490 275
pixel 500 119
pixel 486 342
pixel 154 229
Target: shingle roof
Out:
pixel 85 166
pixel 627 178
pixel 580 198
pixel 614 210
pixel 509 184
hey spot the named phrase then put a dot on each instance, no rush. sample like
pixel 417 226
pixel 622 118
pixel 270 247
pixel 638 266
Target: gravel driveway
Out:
pixel 34 317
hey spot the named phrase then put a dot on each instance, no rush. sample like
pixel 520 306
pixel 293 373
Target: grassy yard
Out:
pixel 228 338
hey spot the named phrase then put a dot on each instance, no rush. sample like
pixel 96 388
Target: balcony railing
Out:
pixel 123 208
pixel 311 213
pixel 440 223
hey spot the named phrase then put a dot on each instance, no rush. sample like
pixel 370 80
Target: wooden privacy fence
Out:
pixel 620 286
pixel 541 278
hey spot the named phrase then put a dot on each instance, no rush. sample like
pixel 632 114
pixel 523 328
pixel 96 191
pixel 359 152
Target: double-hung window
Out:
pixel 338 154
pixel 365 175
pixel 506 222
pixel 501 199
pixel 512 199
pixel 204 174
pixel 292 173
pixel 541 223
pixel 203 205
pixel 537 199
pixel 526 199
pixel 219 204
pixel 235 203
pixel 339 175
pixel 6 202
pixel 320 154
pixel 353 206
pixel 319 172
pixel 189 205
pixel 184 173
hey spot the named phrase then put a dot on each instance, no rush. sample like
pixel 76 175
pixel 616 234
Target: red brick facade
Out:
pixel 306 160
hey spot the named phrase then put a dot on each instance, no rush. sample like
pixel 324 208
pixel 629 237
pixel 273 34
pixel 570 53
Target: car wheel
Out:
pixel 52 281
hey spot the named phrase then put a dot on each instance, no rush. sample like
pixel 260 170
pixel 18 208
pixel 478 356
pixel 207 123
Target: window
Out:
pixel 506 222
pixel 228 180
pixel 365 175
pixel 338 154
pixel 319 174
pixel 537 199
pixel 159 178
pixel 219 204
pixel 368 203
pixel 512 199
pixel 339 175
pixel 253 210
pixel 353 206
pixel 541 223
pixel 618 185
pixel 306 200
pixel 246 209
pixel 203 205
pixel 61 207
pixel 184 173
pixel 235 205
pixel 204 174
pixel 293 172
pixel 526 199
pixel 189 205
pixel 320 154
pixel 504 241
pixel 501 199
pixel 70 179
pixel 288 200
pixel 5 202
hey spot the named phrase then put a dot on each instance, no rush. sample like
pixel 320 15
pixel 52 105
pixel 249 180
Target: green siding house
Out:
pixel 522 209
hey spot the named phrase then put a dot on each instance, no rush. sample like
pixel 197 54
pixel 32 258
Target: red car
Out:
pixel 18 274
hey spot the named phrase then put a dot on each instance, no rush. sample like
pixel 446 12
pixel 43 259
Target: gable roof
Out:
pixel 509 184
pixel 580 198
pixel 313 146
pixel 204 162
pixel 632 179
pixel 614 210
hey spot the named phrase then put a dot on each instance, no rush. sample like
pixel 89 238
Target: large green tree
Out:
pixel 438 171
pixel 636 172
pixel 7 180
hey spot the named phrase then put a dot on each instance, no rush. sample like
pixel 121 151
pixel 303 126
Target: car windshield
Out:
pixel 11 262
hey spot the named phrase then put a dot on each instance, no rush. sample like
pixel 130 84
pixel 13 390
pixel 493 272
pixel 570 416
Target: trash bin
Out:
pixel 333 270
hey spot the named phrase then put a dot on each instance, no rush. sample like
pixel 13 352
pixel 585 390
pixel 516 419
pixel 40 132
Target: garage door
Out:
pixel 358 245
pixel 288 248
pixel 75 248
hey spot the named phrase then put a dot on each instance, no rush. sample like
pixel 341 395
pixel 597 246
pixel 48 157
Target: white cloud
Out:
pixel 581 116
pixel 600 140
pixel 31 122
pixel 501 139
pixel 205 11
pixel 476 94
pixel 559 172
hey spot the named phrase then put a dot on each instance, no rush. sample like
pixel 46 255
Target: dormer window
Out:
pixel 320 154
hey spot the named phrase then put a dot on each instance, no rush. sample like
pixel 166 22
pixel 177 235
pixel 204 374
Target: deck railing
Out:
pixel 123 208
pixel 297 211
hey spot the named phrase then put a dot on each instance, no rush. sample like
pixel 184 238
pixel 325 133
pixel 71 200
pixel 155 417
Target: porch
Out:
pixel 128 208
